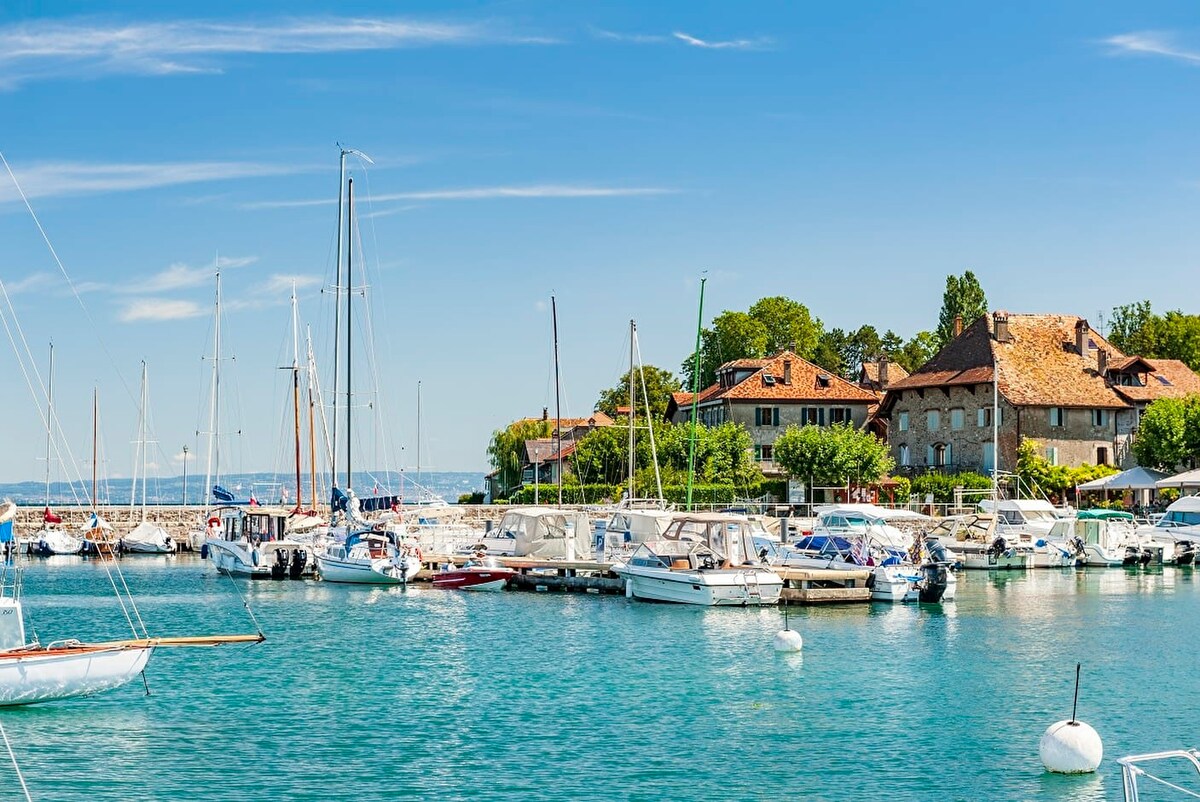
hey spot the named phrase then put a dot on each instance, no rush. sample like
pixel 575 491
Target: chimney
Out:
pixel 883 372
pixel 957 325
pixel 1000 327
pixel 1102 362
pixel 1081 337
pixel 787 371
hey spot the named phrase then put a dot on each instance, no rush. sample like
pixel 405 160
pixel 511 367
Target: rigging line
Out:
pixel 12 312
pixel 62 269
pixel 16 767
pixel 637 347
pixel 245 602
pixel 1170 785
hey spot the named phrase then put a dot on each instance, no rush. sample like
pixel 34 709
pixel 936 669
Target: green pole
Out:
pixel 695 396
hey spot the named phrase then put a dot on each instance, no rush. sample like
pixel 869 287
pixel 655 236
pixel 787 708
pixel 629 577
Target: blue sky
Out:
pixel 846 155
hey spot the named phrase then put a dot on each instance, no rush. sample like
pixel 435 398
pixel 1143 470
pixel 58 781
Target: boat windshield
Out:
pixel 1175 518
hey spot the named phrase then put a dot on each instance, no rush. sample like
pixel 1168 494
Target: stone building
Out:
pixel 768 395
pixel 1059 382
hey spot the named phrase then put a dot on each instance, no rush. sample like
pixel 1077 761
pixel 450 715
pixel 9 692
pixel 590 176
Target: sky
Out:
pixel 848 156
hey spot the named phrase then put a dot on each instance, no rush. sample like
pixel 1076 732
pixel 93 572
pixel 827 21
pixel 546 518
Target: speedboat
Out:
pixel 705 559
pixel 926 578
pixel 1107 538
pixel 876 524
pixel 1034 528
pixel 540 532
pixel 148 538
pixel 249 542
pixel 369 557
pixel 1176 532
pixel 974 538
pixel 478 574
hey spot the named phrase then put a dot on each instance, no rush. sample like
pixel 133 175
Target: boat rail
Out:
pixel 1131 770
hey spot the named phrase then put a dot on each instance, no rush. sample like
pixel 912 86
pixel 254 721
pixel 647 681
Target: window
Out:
pixel 1102 455
pixel 839 415
pixel 1099 417
pixel 812 416
pixel 1058 416
pixel 1052 455
pixel 766 453
pixel 766 416
pixel 983 417
pixel 902 422
pixel 957 417
pixel 939 455
pixel 932 419
pixel 903 455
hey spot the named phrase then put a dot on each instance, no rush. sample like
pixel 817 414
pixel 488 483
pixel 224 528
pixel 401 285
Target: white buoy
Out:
pixel 787 639
pixel 1071 747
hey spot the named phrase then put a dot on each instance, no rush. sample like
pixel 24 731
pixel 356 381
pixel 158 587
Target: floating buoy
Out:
pixel 1071 747
pixel 787 639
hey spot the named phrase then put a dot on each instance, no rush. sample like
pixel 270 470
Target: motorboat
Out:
pixel 704 559
pixel 480 573
pixel 1177 531
pixel 628 527
pixel 926 577
pixel 540 532
pixel 250 542
pixel 1027 524
pixel 973 537
pixel 822 552
pixel 1104 538
pixel 876 524
pixel 148 538
pixel 370 557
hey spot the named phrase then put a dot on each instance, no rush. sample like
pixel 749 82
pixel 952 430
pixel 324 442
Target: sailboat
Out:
pixel 32 672
pixel 53 539
pixel 366 553
pixel 147 537
pixel 98 539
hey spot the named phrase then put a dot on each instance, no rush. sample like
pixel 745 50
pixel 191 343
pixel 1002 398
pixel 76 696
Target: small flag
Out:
pixel 859 553
pixel 253 501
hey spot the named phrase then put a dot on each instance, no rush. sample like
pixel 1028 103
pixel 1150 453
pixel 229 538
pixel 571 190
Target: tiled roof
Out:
pixel 870 374
pixel 1170 379
pixel 745 363
pixel 1039 364
pixel 597 418
pixel 767 384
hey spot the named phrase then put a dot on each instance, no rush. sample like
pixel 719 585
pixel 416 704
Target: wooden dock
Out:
pixel 823 586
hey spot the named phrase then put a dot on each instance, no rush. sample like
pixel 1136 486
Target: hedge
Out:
pixel 942 485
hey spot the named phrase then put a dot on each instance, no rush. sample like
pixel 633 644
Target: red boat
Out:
pixel 475 575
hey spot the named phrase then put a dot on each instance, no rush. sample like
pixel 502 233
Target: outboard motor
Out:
pixel 1132 555
pixel 279 568
pixel 935 578
pixel 1077 546
pixel 999 546
pixel 1185 553
pixel 1145 557
pixel 299 561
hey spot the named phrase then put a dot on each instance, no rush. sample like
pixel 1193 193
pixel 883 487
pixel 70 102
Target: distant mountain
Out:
pixel 266 487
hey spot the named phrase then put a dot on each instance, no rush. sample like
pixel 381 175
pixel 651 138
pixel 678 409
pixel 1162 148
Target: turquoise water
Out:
pixel 372 694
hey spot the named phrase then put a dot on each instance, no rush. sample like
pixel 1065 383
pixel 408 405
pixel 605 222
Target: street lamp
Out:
pixel 185 453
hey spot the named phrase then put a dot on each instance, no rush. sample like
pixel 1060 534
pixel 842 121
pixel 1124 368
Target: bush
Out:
pixel 942 485
pixel 471 498
pixel 572 494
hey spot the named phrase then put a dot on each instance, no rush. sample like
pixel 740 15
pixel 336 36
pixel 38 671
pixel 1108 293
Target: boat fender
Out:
pixel 871 580
pixel 254 556
pixel 214 521
pixel 204 551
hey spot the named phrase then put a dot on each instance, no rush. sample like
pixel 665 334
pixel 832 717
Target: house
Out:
pixel 1056 381
pixel 878 376
pixel 768 395
pixel 540 457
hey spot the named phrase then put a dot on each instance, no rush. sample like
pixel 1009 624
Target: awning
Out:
pixel 1185 479
pixel 1138 478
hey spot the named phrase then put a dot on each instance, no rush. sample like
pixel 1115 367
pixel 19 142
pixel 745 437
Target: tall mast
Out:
pixel 695 398
pixel 349 285
pixel 49 421
pixel 337 305
pixel 632 408
pixel 95 415
pixel 995 428
pixel 214 396
pixel 142 437
pixel 312 427
pixel 296 394
pixel 418 432
pixel 557 399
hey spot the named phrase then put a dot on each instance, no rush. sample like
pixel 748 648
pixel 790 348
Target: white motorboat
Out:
pixel 977 546
pixel 540 532
pixel 369 557
pixel 876 524
pixel 1029 526
pixel 630 526
pixel 1177 532
pixel 1107 538
pixel 927 578
pixel 250 542
pixel 705 559
pixel 148 538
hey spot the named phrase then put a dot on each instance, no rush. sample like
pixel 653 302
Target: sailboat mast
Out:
pixel 312 424
pixel 214 396
pixel 95 416
pixel 995 429
pixel 349 285
pixel 557 399
pixel 49 421
pixel 418 431
pixel 632 408
pixel 337 306
pixel 695 398
pixel 296 394
pixel 142 436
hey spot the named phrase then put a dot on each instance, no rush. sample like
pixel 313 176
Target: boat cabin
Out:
pixel 1185 511
pixel 730 538
pixel 255 524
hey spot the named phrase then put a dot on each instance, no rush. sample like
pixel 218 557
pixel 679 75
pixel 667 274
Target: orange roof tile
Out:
pixel 1171 379
pixel 767 384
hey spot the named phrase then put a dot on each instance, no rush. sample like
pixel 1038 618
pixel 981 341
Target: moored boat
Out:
pixel 479 574
pixel 369 558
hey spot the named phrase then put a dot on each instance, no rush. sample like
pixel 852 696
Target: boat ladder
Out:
pixel 753 590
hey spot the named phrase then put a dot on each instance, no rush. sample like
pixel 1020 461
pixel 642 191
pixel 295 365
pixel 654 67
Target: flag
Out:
pixel 859 553
pixel 253 501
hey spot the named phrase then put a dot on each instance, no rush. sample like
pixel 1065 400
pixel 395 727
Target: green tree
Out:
pixel 602 456
pixel 734 335
pixel 789 324
pixel 724 454
pixel 831 351
pixel 1168 435
pixel 917 351
pixel 832 456
pixel 1136 329
pixel 1042 477
pixel 660 384
pixel 507 449
pixel 964 297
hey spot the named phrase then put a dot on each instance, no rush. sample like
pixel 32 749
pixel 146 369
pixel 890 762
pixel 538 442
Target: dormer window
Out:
pixel 822 379
pixel 768 380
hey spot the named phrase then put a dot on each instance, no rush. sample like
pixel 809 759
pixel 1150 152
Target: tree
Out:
pixel 789 324
pixel 917 351
pixel 724 454
pixel 602 456
pixel 1132 329
pixel 507 449
pixel 1136 329
pixel 1168 435
pixel 660 384
pixel 963 298
pixel 832 456
pixel 1042 477
pixel 734 335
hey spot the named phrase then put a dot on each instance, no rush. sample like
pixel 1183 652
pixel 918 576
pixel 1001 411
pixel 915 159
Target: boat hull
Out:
pixel 720 588
pixel 260 562
pixel 52 674
pixel 492 579
pixel 382 571
pixel 900 583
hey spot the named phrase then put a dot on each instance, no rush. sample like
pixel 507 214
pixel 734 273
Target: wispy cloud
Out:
pixel 484 193
pixel 760 43
pixel 181 276
pixel 87 48
pixel 679 37
pixel 159 309
pixel 279 284
pixel 31 282
pixel 54 179
pixel 1151 43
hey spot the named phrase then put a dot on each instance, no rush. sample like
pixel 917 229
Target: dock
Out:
pixel 823 586
pixel 570 576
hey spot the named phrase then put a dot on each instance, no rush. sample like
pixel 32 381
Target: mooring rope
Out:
pixel 245 601
pixel 1170 785
pixel 16 766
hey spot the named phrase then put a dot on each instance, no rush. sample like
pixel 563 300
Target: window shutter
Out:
pixel 930 457
pixel 775 416
pixel 758 416
pixel 821 416
pixel 949 454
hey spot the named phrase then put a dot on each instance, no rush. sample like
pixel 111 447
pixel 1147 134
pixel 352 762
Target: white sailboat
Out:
pixel 31 672
pixel 147 537
pixel 370 558
pixel 52 538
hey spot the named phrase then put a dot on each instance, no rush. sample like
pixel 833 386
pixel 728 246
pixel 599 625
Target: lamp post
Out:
pixel 185 453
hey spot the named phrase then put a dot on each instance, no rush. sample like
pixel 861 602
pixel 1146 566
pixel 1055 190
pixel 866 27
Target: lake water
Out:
pixel 374 694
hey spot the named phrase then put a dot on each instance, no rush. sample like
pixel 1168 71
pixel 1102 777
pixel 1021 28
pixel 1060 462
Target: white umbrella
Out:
pixel 1138 478
pixel 1185 479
